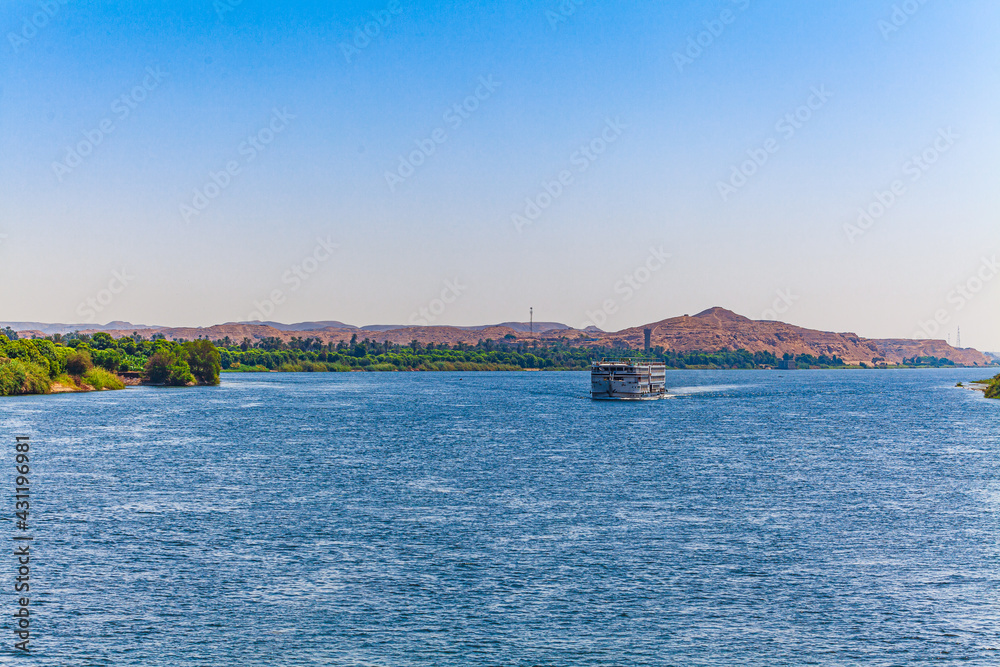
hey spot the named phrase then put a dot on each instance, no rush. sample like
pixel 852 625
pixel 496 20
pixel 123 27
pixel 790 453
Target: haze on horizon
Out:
pixel 185 163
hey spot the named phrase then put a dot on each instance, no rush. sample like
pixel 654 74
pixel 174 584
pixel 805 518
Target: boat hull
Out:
pixel 650 397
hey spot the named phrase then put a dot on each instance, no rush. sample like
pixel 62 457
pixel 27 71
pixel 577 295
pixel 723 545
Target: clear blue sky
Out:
pixel 312 118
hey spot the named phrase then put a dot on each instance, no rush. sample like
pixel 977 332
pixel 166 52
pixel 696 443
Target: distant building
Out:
pixel 786 365
pixel 648 333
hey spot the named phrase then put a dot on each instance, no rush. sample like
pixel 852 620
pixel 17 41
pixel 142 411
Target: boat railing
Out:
pixel 629 361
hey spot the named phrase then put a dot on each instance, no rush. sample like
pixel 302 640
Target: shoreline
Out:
pixel 990 387
pixel 59 386
pixel 587 370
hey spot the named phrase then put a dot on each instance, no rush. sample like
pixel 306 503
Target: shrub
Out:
pixel 242 368
pixel 180 375
pixel 993 390
pixel 23 377
pixel 314 367
pixel 338 368
pixel 382 367
pixel 98 378
pixel 79 362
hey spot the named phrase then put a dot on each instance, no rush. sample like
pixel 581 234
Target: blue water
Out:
pixel 763 518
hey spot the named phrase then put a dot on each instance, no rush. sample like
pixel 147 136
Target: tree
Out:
pixel 204 361
pixel 110 359
pixel 102 341
pixel 169 366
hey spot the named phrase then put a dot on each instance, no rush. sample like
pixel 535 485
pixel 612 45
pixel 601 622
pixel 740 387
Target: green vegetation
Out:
pixel 932 362
pixel 78 362
pixel 18 376
pixel 204 360
pixel 179 364
pixel 98 378
pixel 993 388
pixel 312 355
pixel 168 366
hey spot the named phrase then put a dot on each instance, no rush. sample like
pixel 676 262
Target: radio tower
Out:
pixel 958 340
pixel 531 320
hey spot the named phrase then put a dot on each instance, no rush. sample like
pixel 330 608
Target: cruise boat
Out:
pixel 628 379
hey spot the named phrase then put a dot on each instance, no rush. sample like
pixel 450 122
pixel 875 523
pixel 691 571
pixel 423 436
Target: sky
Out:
pixel 394 162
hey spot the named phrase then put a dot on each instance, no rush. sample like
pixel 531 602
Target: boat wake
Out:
pixel 706 389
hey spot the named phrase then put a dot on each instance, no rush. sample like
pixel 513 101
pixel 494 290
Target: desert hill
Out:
pixel 709 331
pixel 718 328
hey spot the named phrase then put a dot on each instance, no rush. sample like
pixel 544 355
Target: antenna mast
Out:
pixel 531 319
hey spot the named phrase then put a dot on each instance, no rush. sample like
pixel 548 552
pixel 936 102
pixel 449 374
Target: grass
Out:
pixel 243 368
pixel 67 380
pixel 99 379
pixel 382 368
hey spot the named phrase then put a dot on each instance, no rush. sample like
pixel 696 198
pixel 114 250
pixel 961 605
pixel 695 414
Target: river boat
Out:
pixel 628 380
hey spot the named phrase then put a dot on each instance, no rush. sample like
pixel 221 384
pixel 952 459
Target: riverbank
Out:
pixel 99 362
pixel 990 387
